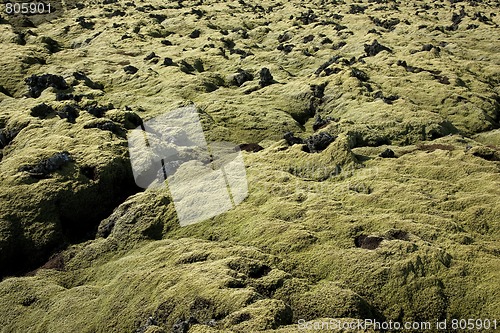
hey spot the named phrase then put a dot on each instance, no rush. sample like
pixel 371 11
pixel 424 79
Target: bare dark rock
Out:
pixel 84 23
pixel 357 9
pixel 198 12
pixel 482 18
pixel 195 33
pixel 291 139
pixel 359 74
pixel 41 110
pixel 241 52
pixel 375 48
pixel 319 89
pixel 87 81
pixel 51 45
pixel 186 67
pixel 98 110
pixel 389 24
pixel 318 142
pixel 47 166
pixel 60 96
pixel 320 123
pixel 325 65
pixel 388 153
pixel 368 242
pixel 129 69
pixel 489 153
pixel 387 99
pixel 7 135
pixel 251 147
pixel 4 91
pixel 168 62
pixel 339 45
pixel 150 56
pixel 159 18
pixel 228 43
pixel 308 38
pixel 330 71
pixel 287 48
pixel 326 41
pixel 456 19
pixel 68 112
pixel 241 77
pixel 144 328
pixel 435 73
pixel 308 17
pixel 38 83
pixel 116 13
pixel 266 78
pixel 442 79
pixel 104 125
pixel 285 37
pixel 427 47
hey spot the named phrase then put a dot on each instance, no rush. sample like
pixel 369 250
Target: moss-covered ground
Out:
pixel 338 234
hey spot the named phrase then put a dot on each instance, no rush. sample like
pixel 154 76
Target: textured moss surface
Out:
pixel 338 234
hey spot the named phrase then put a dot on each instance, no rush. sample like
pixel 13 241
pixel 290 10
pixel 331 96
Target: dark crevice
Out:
pixel 75 217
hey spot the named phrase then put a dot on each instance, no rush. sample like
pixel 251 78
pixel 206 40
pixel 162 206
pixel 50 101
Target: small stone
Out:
pixel 98 111
pixel 319 142
pixel 284 37
pixel 375 48
pixel 51 45
pixel 307 39
pixel 41 110
pixel 291 139
pixel 251 147
pixel 195 33
pixel 168 62
pixel 38 83
pixel 46 166
pixel 266 78
pixel 185 67
pixel 87 81
pixel 359 74
pixel 388 153
pixel 368 242
pixel 105 125
pixel 150 56
pixel 427 47
pixel 320 123
pixel 68 112
pixel 130 69
pixel 241 77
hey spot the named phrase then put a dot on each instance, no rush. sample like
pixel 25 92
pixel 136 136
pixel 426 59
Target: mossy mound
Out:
pixel 48 200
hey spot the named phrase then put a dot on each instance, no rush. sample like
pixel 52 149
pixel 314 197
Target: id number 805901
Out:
pixel 27 8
